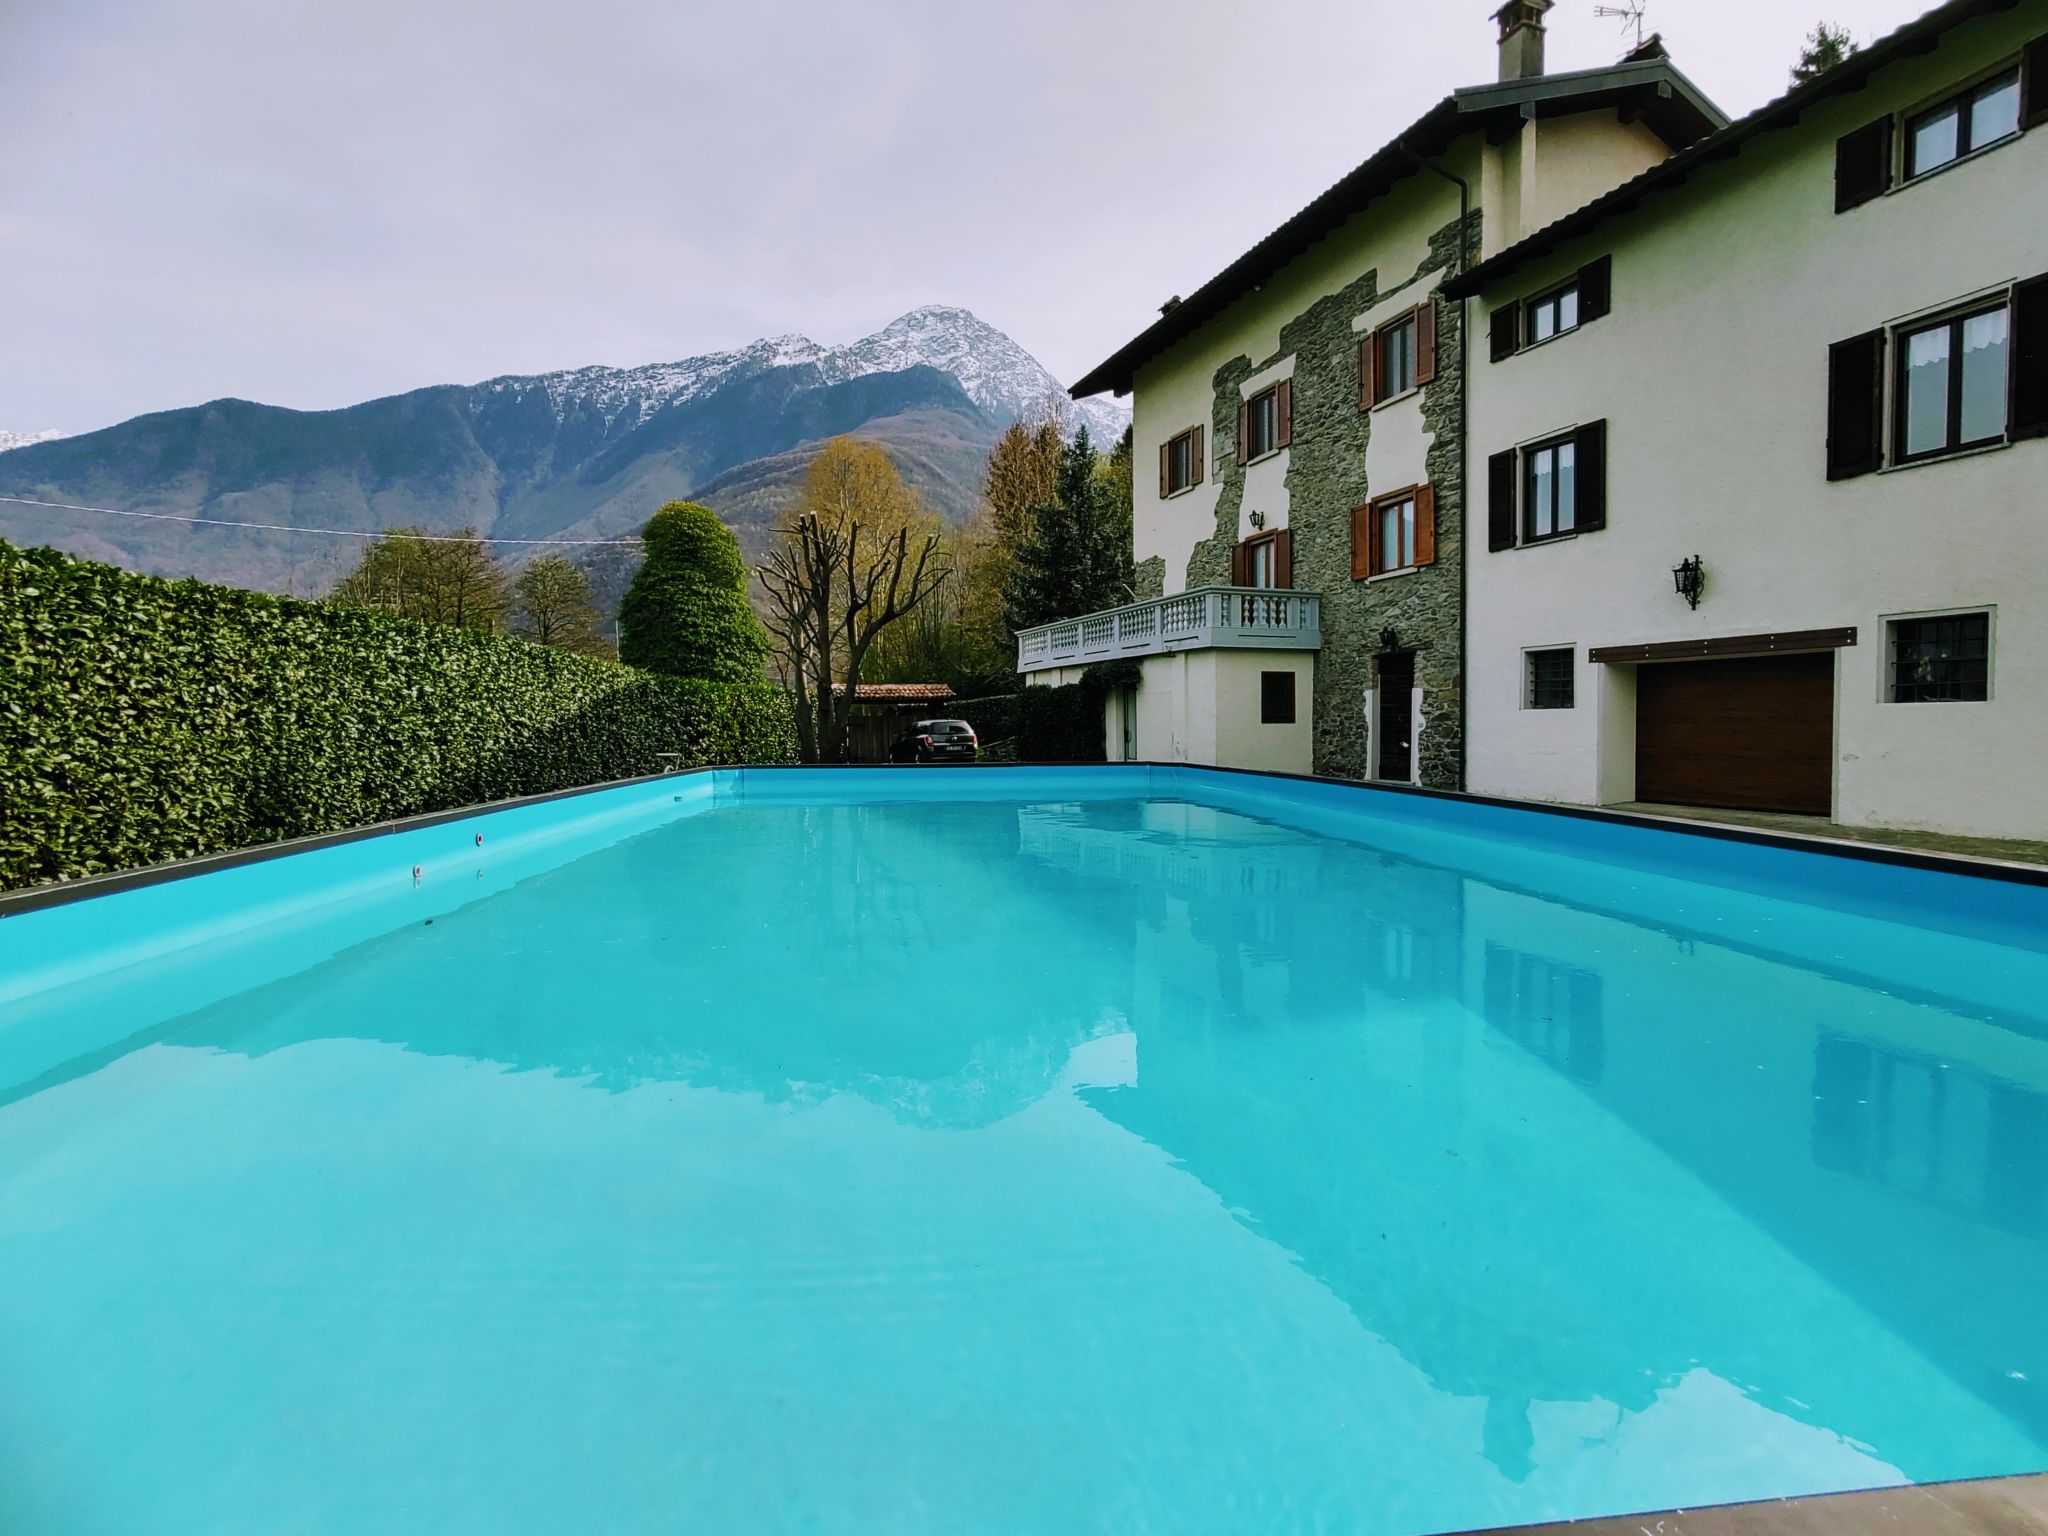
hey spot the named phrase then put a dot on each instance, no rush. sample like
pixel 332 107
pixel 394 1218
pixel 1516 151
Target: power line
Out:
pixel 632 541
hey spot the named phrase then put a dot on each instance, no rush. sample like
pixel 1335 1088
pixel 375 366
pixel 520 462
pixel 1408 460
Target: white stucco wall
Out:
pixel 1177 390
pixel 1712 375
pixel 1204 706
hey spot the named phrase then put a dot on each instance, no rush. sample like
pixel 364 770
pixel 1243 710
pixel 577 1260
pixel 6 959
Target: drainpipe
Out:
pixel 1464 443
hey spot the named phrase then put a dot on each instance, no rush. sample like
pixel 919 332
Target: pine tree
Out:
pixel 1821 50
pixel 1075 558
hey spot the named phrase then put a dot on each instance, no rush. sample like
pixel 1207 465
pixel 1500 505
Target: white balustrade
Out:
pixel 1227 618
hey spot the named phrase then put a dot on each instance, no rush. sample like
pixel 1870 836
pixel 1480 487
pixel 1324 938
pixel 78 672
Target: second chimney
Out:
pixel 1521 38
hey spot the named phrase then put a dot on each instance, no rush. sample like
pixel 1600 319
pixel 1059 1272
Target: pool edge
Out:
pixel 62 892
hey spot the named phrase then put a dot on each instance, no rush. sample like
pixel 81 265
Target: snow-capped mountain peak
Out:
pixel 27 439
pixel 991 369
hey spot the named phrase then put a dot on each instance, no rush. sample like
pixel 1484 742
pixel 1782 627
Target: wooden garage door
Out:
pixel 1752 733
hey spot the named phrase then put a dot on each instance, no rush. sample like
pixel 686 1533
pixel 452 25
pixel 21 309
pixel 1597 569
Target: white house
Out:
pixel 1301 550
pixel 1771 531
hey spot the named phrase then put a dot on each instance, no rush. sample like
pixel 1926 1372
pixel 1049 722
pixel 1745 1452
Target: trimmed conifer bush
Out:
pixel 686 613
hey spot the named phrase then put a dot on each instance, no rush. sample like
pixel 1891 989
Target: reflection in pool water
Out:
pixel 1118 1165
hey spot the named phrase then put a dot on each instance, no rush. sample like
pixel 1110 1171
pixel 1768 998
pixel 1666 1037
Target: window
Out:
pixel 1549 681
pixel 1942 659
pixel 1264 560
pixel 1553 313
pixel 1262 424
pixel 1550 490
pixel 1260 565
pixel 1585 297
pixel 1276 698
pixel 1961 126
pixel 1393 546
pixel 1397 358
pixel 1180 463
pixel 1395 533
pixel 1952 379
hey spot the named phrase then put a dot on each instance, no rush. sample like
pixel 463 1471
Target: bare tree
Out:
pixel 551 603
pixel 830 593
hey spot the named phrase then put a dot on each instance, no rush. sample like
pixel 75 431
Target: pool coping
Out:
pixel 63 892
pixel 2012 1505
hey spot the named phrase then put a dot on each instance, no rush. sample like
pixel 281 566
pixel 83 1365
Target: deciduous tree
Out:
pixel 551 604
pixel 439 579
pixel 857 554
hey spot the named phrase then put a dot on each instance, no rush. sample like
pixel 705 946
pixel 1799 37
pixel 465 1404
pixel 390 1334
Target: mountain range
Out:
pixel 586 453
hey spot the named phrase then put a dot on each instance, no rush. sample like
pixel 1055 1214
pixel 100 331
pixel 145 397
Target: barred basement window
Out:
pixel 1549 679
pixel 1942 659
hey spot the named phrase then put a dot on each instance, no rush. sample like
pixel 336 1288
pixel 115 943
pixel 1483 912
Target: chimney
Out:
pixel 1521 38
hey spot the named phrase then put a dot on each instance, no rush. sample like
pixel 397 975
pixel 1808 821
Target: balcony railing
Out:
pixel 1220 618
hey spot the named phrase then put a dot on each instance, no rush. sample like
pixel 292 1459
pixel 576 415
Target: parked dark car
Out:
pixel 936 741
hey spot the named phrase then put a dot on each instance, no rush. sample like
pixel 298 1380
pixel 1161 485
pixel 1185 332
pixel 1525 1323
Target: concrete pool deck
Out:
pixel 1998 1506
pixel 2002 850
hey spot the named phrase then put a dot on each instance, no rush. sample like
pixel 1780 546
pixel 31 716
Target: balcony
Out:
pixel 1218 618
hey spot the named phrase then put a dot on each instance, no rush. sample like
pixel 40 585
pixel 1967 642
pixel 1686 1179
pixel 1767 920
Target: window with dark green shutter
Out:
pixel 1856 406
pixel 1550 489
pixel 1863 165
pixel 2029 360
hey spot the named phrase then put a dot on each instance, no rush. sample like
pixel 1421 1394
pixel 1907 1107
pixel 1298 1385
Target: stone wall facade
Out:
pixel 1326 480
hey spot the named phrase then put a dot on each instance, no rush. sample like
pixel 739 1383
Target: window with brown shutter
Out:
pixel 1397 356
pixel 1180 462
pixel 1365 380
pixel 1856 406
pixel 1863 165
pixel 1500 501
pixel 2029 359
pixel 1264 560
pixel 1266 421
pixel 1361 541
pixel 1397 531
pixel 1283 559
pixel 1425 343
pixel 1244 430
pixel 1198 453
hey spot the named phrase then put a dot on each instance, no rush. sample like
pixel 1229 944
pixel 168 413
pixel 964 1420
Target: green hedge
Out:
pixel 144 720
pixel 994 718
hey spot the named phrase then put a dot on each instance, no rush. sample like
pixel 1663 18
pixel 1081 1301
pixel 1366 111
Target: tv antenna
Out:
pixel 1629 13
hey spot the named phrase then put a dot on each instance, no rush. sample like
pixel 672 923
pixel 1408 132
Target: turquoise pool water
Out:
pixel 1089 1152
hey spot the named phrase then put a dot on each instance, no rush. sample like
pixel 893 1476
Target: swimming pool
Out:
pixel 1015 1150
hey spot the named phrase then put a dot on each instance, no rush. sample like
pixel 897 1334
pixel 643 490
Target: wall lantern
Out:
pixel 1390 639
pixel 1259 520
pixel 1690 578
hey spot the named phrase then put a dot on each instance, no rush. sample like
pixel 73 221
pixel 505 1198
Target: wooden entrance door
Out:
pixel 1396 716
pixel 1753 733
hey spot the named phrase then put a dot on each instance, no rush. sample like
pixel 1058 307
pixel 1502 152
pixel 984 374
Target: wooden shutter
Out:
pixel 1425 342
pixel 1366 395
pixel 1856 406
pixel 1244 430
pixel 1863 165
pixel 1362 522
pixel 1165 463
pixel 1507 330
pixel 1500 500
pixel 1589 511
pixel 1197 453
pixel 1283 408
pixel 1240 565
pixel 1596 289
pixel 1425 525
pixel 2030 359
pixel 2034 84
pixel 1283 559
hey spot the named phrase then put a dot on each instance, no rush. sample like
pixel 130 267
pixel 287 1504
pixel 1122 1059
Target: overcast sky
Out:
pixel 315 203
